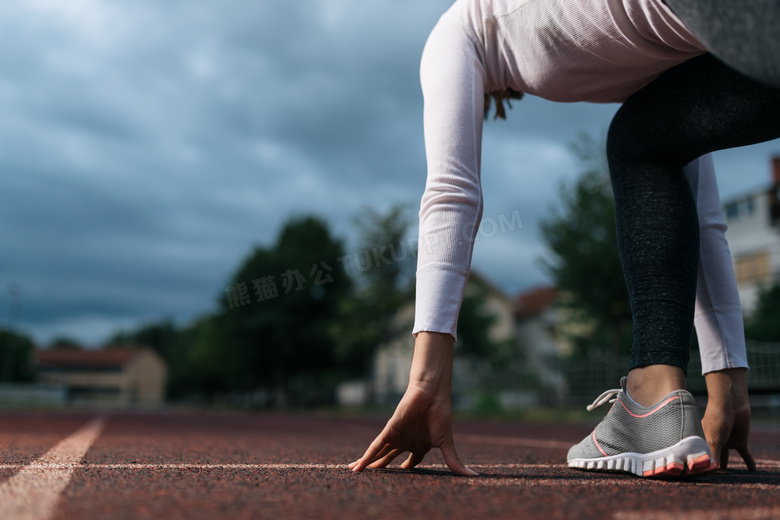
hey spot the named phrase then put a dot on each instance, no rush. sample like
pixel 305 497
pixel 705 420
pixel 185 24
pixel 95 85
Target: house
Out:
pixel 393 360
pixel 536 319
pixel 753 234
pixel 538 325
pixel 120 376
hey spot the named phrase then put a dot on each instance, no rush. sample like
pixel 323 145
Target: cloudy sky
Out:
pixel 146 146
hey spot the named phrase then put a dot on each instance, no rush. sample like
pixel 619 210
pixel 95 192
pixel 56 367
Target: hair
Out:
pixel 500 96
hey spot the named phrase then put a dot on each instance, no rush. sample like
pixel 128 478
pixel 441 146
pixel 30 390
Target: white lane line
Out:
pixel 752 513
pixel 32 493
pixel 769 464
pixel 511 441
pixel 162 466
pixel 605 482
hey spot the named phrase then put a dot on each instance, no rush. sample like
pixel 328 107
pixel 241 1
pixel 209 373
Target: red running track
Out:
pixel 244 466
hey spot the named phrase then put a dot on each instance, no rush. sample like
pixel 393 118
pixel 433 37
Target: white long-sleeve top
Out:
pixel 562 50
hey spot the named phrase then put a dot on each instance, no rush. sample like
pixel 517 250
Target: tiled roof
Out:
pixel 87 359
pixel 534 302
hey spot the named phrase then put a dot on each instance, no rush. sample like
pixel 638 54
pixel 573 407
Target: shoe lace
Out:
pixel 608 396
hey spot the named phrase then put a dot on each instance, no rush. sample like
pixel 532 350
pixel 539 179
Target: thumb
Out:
pixel 453 461
pixel 716 450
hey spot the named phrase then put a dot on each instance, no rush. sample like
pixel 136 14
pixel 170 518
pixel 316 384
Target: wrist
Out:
pixel 432 362
pixel 723 386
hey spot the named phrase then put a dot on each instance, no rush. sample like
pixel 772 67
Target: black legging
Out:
pixel 695 108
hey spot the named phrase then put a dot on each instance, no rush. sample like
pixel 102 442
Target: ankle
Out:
pixel 648 385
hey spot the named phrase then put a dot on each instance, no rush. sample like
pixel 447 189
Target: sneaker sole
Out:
pixel 689 457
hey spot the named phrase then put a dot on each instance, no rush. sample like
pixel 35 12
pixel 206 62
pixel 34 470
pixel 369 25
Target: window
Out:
pixel 750 206
pixel 732 211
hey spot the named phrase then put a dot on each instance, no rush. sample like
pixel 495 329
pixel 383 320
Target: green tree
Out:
pixel 474 323
pixel 383 268
pixel 276 313
pixel 585 263
pixel 65 343
pixel 16 357
pixel 763 324
pixel 200 363
pixel 159 336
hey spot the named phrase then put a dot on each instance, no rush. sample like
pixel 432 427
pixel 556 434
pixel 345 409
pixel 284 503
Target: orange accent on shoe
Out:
pixel 702 461
pixel 672 469
pixel 651 412
pixel 597 444
pixel 702 468
pixel 702 465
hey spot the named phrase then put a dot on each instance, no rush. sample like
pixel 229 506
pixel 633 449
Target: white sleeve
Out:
pixel 452 77
pixel 718 317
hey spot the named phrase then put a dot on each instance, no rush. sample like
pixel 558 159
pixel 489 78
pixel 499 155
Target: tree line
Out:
pixel 302 314
pixel 296 318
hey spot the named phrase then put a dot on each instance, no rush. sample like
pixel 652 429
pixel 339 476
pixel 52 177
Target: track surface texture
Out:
pixel 170 465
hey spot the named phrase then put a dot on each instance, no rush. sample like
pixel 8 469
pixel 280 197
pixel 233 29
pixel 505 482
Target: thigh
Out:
pixel 695 108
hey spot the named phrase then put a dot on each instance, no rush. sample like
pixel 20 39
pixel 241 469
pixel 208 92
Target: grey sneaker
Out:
pixel 665 440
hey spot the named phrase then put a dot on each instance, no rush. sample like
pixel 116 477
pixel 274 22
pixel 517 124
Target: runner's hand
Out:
pixel 726 421
pixel 422 420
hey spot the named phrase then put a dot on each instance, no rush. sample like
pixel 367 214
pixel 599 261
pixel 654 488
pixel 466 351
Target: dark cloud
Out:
pixel 146 146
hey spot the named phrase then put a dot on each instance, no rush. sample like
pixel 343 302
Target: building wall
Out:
pixel 92 386
pixel 146 375
pixel 503 310
pixel 393 361
pixel 754 242
pixel 140 380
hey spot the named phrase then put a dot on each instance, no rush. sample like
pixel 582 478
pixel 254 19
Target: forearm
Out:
pixel 727 388
pixel 451 208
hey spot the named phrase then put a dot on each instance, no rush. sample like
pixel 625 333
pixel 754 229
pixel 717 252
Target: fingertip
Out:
pixel 749 460
pixel 457 466
pixel 463 471
pixel 359 465
pixel 453 461
pixel 413 460
pixel 715 458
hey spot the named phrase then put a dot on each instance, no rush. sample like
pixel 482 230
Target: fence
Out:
pixel 35 394
pixel 577 382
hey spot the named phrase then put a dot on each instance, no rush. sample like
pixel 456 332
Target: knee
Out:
pixel 620 148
